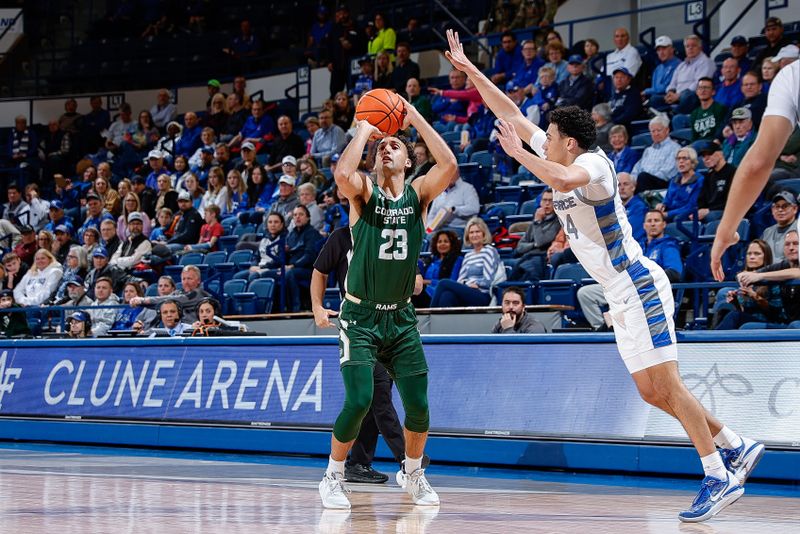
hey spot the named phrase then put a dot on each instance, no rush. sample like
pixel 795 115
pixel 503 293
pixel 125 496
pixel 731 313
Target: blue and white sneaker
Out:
pixel 744 459
pixel 715 495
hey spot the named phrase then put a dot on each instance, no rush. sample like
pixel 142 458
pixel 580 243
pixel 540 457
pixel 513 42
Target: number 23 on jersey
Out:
pixel 395 246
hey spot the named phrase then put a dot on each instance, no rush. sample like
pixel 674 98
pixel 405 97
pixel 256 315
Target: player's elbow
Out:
pixel 450 165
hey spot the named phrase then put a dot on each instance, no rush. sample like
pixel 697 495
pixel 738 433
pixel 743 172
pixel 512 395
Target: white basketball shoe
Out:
pixel 334 492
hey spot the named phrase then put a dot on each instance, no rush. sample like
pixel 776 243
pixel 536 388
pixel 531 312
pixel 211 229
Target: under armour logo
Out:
pixel 7 377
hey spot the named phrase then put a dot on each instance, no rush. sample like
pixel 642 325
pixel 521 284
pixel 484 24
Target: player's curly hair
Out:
pixel 577 123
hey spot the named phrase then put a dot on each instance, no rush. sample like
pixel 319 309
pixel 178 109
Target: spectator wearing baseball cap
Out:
pixel 773 31
pixel 784 211
pixel 662 74
pixel 716 184
pixel 577 89
pixel 625 102
pixel 787 55
pixel 64 242
pixel 155 160
pixel 75 268
pixel 737 144
pixel 187 231
pixel 739 49
pixel 287 197
pixel 135 247
pixel 95 214
pixel 57 217
pixel 79 324
pixel 100 269
pixel 213 86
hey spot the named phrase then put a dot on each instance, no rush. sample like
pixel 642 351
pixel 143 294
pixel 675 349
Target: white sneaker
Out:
pixel 421 492
pixel 333 492
pixel 400 478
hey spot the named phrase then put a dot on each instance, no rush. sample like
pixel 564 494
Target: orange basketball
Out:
pixel 383 109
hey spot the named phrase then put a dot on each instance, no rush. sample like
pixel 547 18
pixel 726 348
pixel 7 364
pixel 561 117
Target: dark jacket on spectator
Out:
pixel 13 324
pixel 301 246
pixel 576 92
pixel 187 232
pixel 291 146
pixel 539 235
pixel 626 106
pixel 716 185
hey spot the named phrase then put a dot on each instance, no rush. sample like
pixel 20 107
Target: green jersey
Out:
pixel 386 244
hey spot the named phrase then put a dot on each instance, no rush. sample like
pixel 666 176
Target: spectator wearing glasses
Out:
pixel 681 89
pixel 707 118
pixel 784 211
pixel 681 199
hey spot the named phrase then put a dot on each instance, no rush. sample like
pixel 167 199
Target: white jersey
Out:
pixel 784 94
pixel 594 218
pixel 637 290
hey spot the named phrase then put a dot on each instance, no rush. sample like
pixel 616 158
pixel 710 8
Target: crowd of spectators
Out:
pixel 102 202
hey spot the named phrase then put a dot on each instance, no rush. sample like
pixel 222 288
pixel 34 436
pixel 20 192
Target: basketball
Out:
pixel 382 109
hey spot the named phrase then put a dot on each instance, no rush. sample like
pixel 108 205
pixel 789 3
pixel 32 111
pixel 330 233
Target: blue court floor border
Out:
pixel 563 477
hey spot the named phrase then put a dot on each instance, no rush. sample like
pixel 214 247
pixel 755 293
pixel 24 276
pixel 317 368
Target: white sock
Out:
pixel 412 464
pixel 713 466
pixel 335 467
pixel 727 439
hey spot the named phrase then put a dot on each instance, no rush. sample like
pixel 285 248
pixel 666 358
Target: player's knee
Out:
pixel 650 396
pixel 414 392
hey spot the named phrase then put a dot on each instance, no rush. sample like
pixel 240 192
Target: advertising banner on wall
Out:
pixel 563 390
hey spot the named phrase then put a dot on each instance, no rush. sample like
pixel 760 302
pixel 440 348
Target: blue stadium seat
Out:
pixel 681 121
pixel 527 287
pixel 227 243
pixel 191 258
pixel 230 288
pixel 572 271
pixel 557 291
pixel 482 157
pixel 213 258
pixel 509 193
pixel 792 184
pixel 241 257
pixel 528 207
pixel 242 229
pixel 152 290
pixel 452 138
pixel 682 135
pixel 264 289
pixel 332 299
pixel 642 140
pixel 508 208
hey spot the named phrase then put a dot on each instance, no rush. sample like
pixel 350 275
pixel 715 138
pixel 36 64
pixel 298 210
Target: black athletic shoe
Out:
pixel 363 474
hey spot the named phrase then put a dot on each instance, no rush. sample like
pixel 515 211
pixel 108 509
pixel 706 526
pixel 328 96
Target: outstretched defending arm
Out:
pixel 350 182
pixel 514 126
pixel 438 177
pixel 502 106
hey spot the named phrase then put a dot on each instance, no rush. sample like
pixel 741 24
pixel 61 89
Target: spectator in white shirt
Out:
pixel 460 198
pixel 164 110
pixel 624 55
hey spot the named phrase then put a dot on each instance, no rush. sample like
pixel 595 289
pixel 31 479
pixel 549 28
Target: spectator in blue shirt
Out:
pixel 155 159
pixel 635 207
pixel 622 156
pixel 555 59
pixel 366 80
pixel 301 250
pixel 729 89
pixel 507 59
pixel 95 214
pixel 189 141
pixel 662 249
pixel 740 50
pixel 683 190
pixel 58 217
pixel 527 70
pixel 246 44
pixel 626 104
pixel 259 128
pixel 662 74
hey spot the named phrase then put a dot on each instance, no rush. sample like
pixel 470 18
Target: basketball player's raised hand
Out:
pixel 456 54
pixel 411 114
pixel 374 133
pixel 509 140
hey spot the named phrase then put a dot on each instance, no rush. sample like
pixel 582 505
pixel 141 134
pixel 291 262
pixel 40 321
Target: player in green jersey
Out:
pixel 377 320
